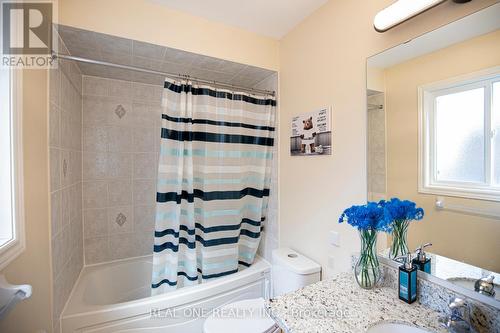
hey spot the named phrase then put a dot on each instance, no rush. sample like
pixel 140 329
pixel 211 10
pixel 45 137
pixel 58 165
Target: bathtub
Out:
pixel 115 297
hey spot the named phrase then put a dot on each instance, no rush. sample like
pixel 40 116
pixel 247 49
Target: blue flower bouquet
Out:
pixel 401 213
pixel 369 219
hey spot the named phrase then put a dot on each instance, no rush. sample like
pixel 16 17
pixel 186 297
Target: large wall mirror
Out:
pixel 433 108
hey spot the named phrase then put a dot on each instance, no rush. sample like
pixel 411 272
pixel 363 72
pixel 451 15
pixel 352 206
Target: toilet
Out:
pixel 290 271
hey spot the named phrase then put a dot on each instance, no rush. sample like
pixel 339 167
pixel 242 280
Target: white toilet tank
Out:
pixel 292 271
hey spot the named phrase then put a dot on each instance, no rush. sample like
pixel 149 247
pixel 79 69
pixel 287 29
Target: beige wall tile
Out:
pixel 75 194
pixel 95 194
pixel 119 192
pixel 144 139
pixel 54 125
pixel 75 166
pixel 55 86
pixel 147 50
pixel 122 89
pixel 66 95
pixel 119 165
pixel 144 218
pixel 143 243
pixel 55 169
pixel 66 244
pixel 144 192
pixel 57 255
pixel 94 166
pixel 95 223
pixel 66 170
pixel 95 86
pixel 66 130
pixel 93 107
pixel 142 114
pixel 76 236
pixel 55 213
pixel 95 138
pixel 145 165
pixel 122 246
pixel 96 250
pixel 120 139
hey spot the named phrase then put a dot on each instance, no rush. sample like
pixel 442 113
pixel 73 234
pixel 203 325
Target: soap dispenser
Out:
pixel 422 262
pixel 408 280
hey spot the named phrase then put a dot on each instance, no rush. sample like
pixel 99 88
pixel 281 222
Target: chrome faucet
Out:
pixel 485 286
pixel 459 319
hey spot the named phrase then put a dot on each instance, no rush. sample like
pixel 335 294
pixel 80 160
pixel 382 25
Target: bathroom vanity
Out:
pixel 340 305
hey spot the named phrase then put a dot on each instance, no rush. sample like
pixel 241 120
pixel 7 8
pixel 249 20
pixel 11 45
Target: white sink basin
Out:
pixel 395 328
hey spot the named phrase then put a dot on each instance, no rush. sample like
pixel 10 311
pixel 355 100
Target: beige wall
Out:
pixel 375 79
pixel 322 63
pixel 463 237
pixel 33 265
pixel 151 22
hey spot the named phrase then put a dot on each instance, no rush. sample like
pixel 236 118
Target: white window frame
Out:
pixel 427 94
pixel 10 250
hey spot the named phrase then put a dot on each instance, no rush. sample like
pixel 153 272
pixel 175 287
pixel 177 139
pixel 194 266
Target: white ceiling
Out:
pixel 273 18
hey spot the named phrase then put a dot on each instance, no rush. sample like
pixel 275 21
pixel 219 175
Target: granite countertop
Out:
pixel 339 305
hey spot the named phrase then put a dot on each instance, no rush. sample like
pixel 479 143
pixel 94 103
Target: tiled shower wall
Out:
pixel 65 145
pixel 121 135
pixel 376 149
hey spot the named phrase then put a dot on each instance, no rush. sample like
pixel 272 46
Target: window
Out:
pixel 11 208
pixel 460 136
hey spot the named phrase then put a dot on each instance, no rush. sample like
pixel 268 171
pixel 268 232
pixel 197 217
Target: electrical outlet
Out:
pixel 331 262
pixel 334 238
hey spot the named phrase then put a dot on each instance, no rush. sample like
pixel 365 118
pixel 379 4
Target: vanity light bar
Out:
pixel 401 11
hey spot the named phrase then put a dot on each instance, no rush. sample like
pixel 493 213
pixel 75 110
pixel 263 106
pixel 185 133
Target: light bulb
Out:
pixel 401 11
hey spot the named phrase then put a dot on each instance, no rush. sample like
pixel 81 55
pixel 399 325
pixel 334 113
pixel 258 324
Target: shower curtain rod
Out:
pixel 166 74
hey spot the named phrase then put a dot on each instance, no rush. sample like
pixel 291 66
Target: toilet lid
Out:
pixel 247 316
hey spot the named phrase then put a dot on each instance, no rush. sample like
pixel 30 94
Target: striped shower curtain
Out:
pixel 213 183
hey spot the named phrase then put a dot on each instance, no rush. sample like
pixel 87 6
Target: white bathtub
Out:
pixel 115 297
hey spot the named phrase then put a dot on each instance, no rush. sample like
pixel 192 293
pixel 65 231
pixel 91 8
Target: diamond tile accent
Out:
pixel 120 111
pixel 121 219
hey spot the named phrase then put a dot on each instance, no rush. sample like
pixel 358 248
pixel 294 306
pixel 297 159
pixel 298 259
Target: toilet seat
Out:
pixel 247 316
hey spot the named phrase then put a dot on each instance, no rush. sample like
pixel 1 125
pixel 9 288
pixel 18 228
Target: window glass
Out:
pixel 6 216
pixel 495 117
pixel 459 121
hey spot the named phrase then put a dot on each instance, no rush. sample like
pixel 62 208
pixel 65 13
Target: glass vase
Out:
pixel 399 246
pixel 367 270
